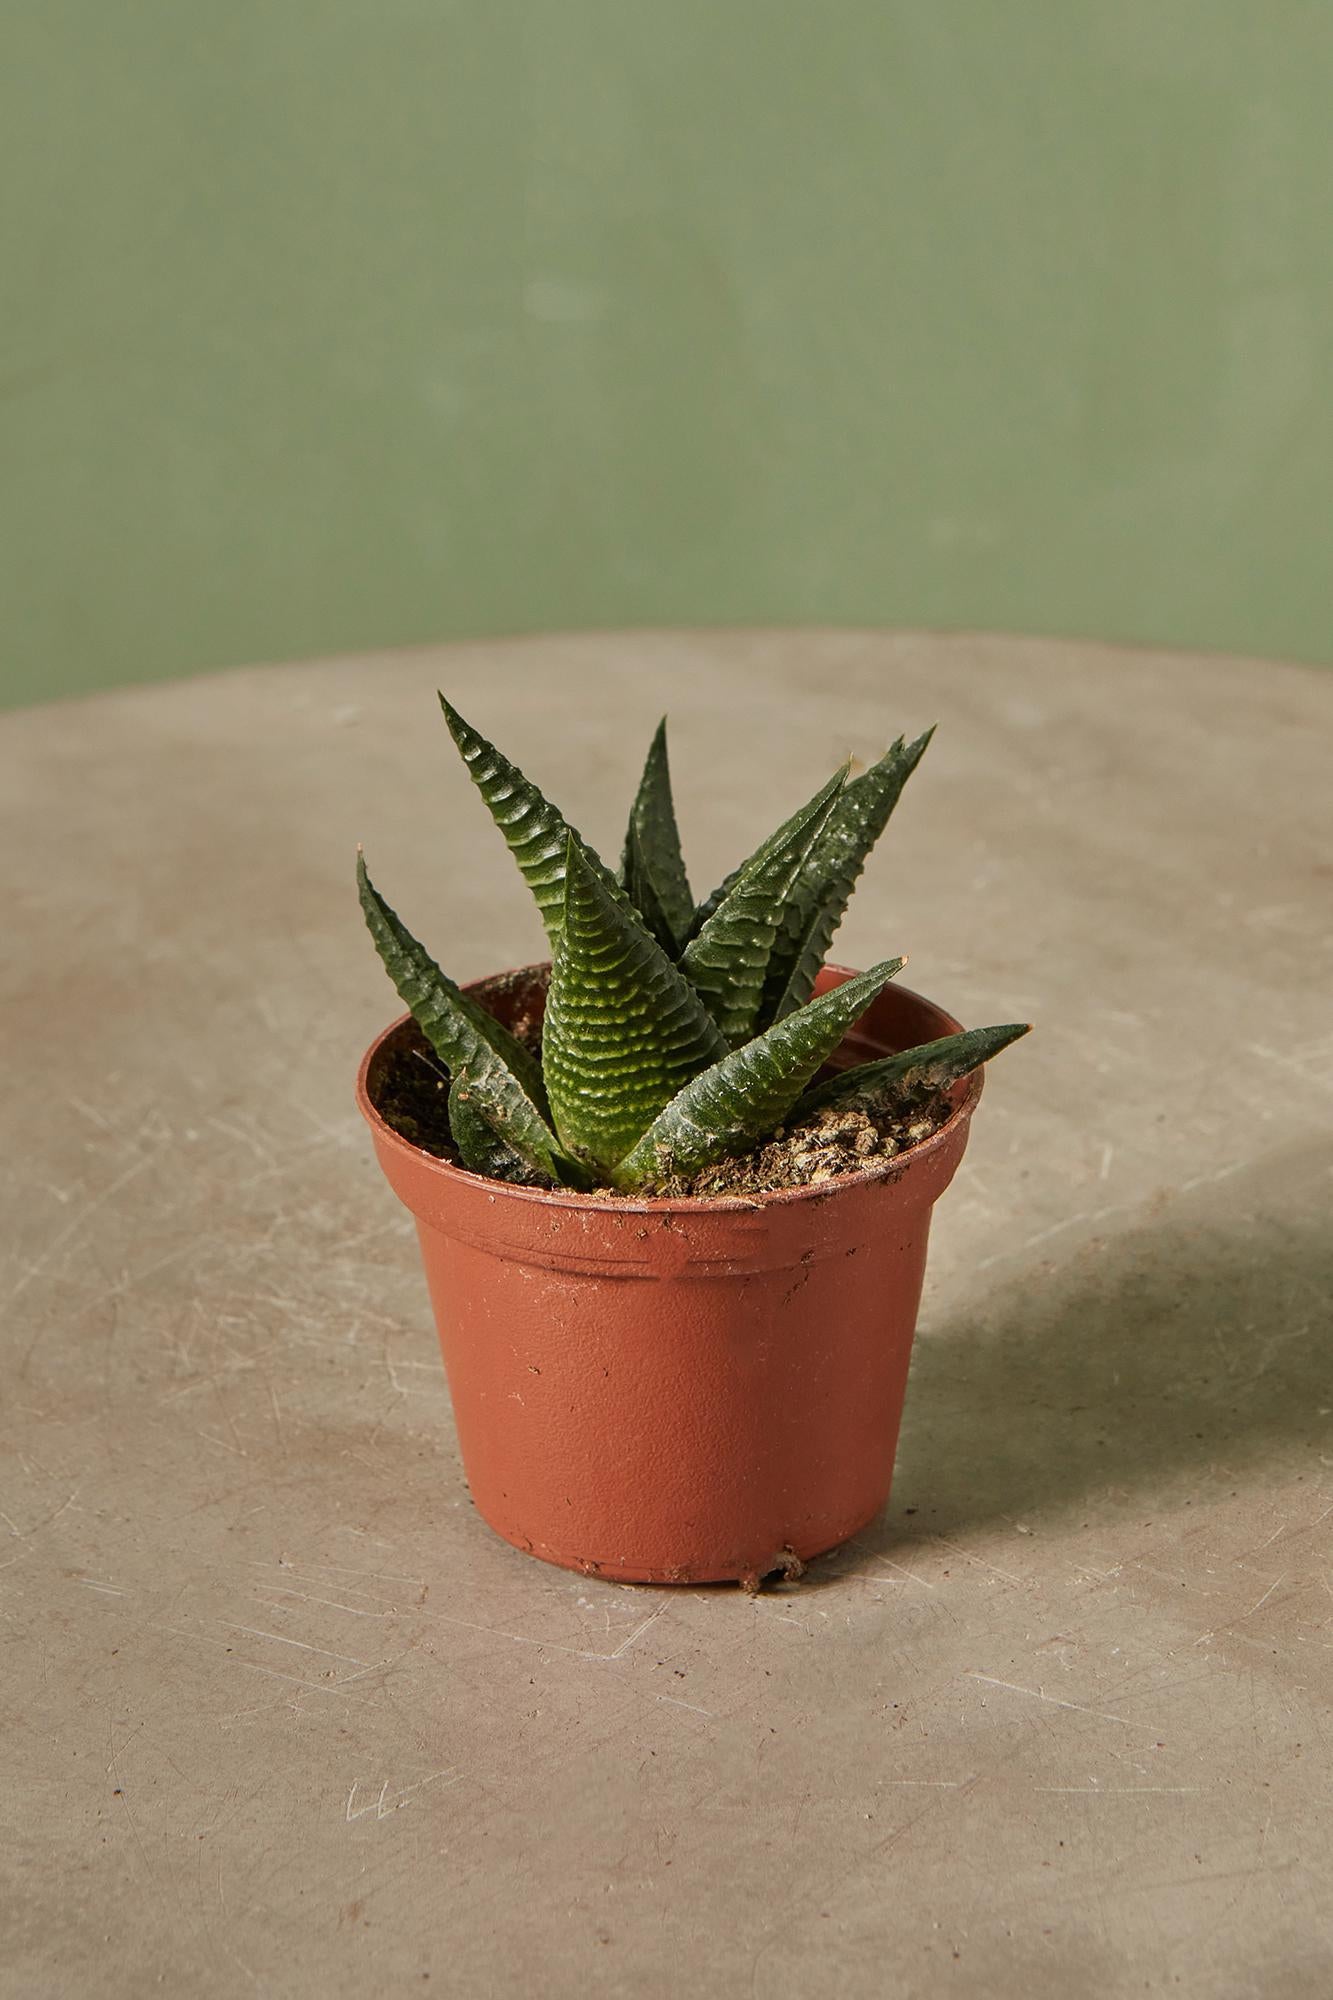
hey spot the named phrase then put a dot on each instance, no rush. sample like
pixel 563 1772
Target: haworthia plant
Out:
pixel 536 833
pixel 653 867
pixel 741 1098
pixel 480 1147
pixel 503 1076
pixel 729 957
pixel 829 874
pixel 674 1035
pixel 624 1029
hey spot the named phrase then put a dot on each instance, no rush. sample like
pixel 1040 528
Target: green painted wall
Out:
pixel 358 322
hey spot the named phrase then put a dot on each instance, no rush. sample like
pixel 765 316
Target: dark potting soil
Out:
pixel 410 1090
pixel 411 1094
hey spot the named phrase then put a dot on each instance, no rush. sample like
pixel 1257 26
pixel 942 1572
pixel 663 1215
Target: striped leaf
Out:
pixel 825 884
pixel 653 868
pixel 641 888
pixel 740 1099
pixel 503 1075
pixel 535 831
pixel 727 962
pixel 932 1066
pixel 624 1030
pixel 480 1147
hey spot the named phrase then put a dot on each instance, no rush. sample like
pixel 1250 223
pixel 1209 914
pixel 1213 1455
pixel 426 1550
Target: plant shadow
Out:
pixel 1172 1355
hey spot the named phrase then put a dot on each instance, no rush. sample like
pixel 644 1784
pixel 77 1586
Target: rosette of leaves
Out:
pixel 676 1033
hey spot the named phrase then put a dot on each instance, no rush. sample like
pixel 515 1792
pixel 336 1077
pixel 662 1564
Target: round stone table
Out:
pixel 284 1718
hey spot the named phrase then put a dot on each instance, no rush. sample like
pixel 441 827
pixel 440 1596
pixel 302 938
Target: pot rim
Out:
pixel 621 1204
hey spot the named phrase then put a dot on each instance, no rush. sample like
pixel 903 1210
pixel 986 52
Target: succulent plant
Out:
pixel 676 1034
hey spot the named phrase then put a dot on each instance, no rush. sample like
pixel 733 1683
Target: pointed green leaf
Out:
pixel 824 886
pixel 741 1098
pixel 503 1074
pixel 533 828
pixel 623 1030
pixel 641 888
pixel 480 1147
pixel 653 866
pixel 727 962
pixel 934 1065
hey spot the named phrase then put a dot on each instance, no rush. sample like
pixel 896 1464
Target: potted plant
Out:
pixel 673 1188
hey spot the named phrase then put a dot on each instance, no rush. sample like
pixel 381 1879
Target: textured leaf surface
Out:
pixel 933 1065
pixel 469 1041
pixel 741 1098
pixel 536 832
pixel 824 886
pixel 653 868
pixel 727 962
pixel 480 1147
pixel 624 1029
pixel 641 888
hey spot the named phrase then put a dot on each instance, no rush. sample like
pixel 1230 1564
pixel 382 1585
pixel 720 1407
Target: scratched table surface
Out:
pixel 283 1717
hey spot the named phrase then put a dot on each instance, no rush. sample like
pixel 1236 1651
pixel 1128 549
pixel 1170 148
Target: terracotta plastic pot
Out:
pixel 683 1391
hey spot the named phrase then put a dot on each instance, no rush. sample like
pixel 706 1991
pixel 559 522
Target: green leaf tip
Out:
pixel 624 1028
pixel 652 867
pixel 933 1065
pixel 534 830
pixel 824 886
pixel 504 1076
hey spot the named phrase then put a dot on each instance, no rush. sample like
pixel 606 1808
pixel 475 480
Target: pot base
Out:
pixel 785 1565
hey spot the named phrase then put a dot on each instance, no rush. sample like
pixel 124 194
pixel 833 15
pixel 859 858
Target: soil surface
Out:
pixel 411 1093
pixel 410 1090
pixel 838 1140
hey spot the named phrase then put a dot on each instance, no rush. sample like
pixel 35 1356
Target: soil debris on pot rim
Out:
pixel 410 1090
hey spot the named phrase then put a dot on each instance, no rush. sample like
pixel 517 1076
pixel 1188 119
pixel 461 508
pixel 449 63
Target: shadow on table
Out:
pixel 1186 1348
